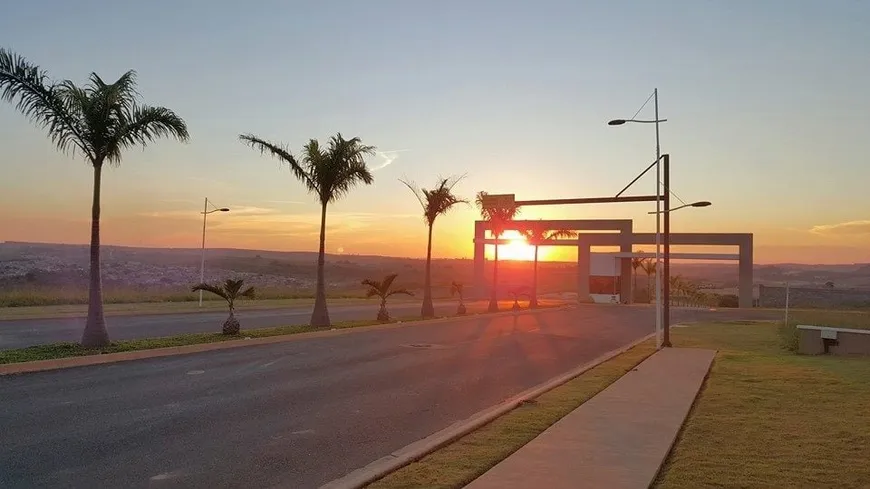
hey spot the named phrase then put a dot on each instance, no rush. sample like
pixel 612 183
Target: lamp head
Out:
pixel 224 209
pixel 702 203
pixel 616 122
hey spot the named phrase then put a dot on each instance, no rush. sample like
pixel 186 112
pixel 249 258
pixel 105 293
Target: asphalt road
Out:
pixel 20 333
pixel 297 414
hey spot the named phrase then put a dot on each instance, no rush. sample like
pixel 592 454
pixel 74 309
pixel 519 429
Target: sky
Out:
pixel 767 106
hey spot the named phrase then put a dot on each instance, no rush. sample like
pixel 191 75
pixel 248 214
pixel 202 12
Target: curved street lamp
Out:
pixel 702 203
pixel 619 122
pixel 205 213
pixel 658 212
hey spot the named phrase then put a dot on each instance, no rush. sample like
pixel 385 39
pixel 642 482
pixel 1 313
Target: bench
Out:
pixel 826 340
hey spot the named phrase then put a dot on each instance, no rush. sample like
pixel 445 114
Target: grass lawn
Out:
pixel 63 350
pixel 457 464
pixel 767 418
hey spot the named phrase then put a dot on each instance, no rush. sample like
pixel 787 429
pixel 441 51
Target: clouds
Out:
pixel 849 228
pixel 388 158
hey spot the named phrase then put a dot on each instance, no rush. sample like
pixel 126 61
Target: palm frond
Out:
pixel 387 282
pixel 418 193
pixel 214 289
pixel 345 167
pixel 232 287
pixel 282 153
pixel 560 234
pixel 498 217
pixel 28 87
pixel 141 125
pixel 400 291
pixel 250 293
pixel 374 288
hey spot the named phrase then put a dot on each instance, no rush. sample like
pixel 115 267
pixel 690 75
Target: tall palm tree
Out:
pixel 230 291
pixel 649 266
pixel 329 173
pixel 636 263
pixel 499 219
pixel 539 236
pixel 97 121
pixel 456 290
pixel 383 289
pixel 435 202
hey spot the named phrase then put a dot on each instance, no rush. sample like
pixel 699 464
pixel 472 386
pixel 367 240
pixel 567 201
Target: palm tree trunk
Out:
pixel 493 297
pixel 533 303
pixel 320 315
pixel 95 333
pixel 634 286
pixel 428 309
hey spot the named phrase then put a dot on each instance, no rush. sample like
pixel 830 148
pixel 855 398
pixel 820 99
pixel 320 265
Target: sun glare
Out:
pixel 518 249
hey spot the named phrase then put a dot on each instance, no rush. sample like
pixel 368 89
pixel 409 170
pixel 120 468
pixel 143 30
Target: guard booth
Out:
pixel 604 278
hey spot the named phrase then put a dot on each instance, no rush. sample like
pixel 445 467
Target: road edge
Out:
pixel 99 359
pixel 363 476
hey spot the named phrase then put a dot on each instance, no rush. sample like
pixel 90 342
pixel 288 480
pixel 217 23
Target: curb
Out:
pixel 415 451
pixel 99 359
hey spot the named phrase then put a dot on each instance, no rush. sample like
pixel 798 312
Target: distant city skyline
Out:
pixel 766 106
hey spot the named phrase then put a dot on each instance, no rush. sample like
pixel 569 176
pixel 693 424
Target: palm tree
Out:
pixel 636 262
pixel 383 289
pixel 538 236
pixel 229 291
pixel 456 289
pixel 499 218
pixel 97 121
pixel 516 293
pixel 649 266
pixel 435 202
pixel 329 173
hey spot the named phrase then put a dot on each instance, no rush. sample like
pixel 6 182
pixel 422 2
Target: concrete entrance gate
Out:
pixel 625 239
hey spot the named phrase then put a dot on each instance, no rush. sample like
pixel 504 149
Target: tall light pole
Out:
pixel 205 213
pixel 666 296
pixel 656 121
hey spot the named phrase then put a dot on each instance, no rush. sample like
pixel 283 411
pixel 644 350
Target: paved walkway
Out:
pixel 619 438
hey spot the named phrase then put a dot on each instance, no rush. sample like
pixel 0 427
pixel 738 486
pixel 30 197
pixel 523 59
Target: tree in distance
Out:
pixel 435 202
pixel 329 173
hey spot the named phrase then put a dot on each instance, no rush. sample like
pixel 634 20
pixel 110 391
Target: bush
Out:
pixel 788 335
pixel 729 300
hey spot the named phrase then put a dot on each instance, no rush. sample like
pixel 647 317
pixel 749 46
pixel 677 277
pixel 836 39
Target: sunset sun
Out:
pixel 518 249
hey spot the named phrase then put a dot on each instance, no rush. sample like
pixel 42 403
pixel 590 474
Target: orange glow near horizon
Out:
pixel 517 250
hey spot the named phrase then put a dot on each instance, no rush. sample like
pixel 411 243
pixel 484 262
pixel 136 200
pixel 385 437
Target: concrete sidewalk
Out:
pixel 619 438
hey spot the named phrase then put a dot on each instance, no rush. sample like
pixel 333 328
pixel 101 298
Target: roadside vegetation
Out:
pixel 767 417
pixel 383 290
pixel 230 291
pixel 63 350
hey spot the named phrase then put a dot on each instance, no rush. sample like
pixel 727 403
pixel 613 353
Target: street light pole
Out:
pixel 659 309
pixel 202 254
pixel 666 296
pixel 656 121
pixel 205 213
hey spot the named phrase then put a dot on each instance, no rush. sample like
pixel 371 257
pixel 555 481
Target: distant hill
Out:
pixel 64 265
